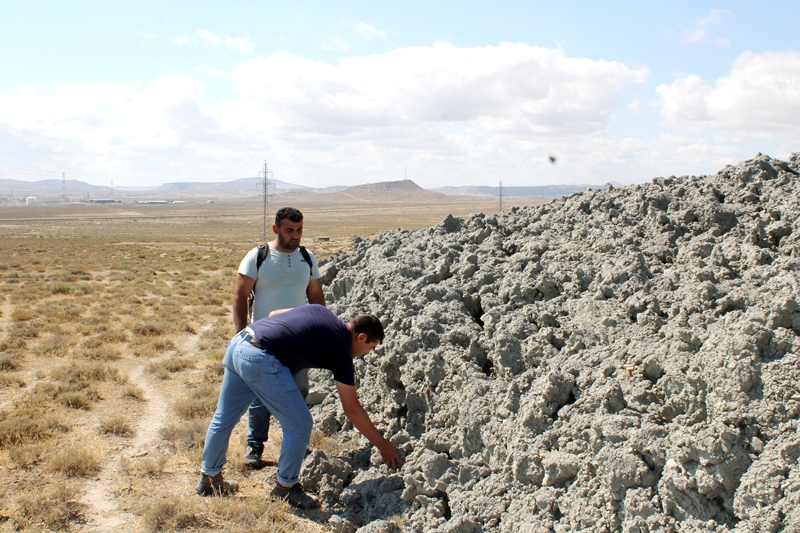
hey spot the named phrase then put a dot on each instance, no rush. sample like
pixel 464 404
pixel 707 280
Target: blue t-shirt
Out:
pixel 310 336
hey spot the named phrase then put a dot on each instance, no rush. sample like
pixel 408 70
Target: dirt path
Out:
pixel 103 512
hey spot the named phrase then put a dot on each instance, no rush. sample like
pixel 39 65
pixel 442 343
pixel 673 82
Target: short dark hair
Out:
pixel 369 324
pixel 290 213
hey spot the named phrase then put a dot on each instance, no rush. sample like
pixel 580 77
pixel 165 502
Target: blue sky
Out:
pixel 443 93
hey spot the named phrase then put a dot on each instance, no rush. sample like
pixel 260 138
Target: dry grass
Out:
pixel 117 425
pixel 111 337
pixel 75 461
pixel 54 508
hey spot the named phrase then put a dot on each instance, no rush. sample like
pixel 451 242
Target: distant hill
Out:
pixel 248 188
pixel 382 192
pixel 391 191
pixel 546 191
pixel 246 185
pixel 21 188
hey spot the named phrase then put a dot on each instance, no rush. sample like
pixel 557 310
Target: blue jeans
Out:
pixel 253 373
pixel 258 416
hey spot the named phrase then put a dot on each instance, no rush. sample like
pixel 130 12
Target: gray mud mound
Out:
pixel 618 360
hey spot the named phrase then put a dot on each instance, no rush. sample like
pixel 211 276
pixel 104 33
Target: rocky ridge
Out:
pixel 623 359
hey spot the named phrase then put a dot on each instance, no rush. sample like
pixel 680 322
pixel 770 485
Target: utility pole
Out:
pixel 500 195
pixel 64 185
pixel 266 199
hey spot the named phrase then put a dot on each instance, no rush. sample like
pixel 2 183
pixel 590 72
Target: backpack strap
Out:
pixel 263 249
pixel 308 259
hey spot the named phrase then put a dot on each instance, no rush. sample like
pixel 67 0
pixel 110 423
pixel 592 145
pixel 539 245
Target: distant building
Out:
pixel 103 201
pixel 30 200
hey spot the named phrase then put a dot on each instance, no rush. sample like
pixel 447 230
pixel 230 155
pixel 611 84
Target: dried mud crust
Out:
pixel 624 359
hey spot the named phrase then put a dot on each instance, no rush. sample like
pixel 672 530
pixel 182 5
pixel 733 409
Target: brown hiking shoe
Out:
pixel 295 495
pixel 215 486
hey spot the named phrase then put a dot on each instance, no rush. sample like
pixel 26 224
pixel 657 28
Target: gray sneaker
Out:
pixel 295 495
pixel 215 486
pixel 252 456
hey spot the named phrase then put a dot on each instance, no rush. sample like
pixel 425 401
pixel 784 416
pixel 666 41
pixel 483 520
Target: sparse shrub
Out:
pixel 75 461
pixel 56 345
pixel 117 425
pixel 60 287
pixel 118 335
pixel 240 515
pixel 84 288
pixel 11 380
pixel 199 403
pixel 133 391
pixel 213 373
pixel 13 276
pixel 216 336
pixel 12 342
pixel 26 330
pixel 177 364
pixel 215 355
pixel 75 399
pixel 144 348
pixel 174 513
pixel 55 507
pixel 150 329
pixel 26 455
pixel 213 284
pixel 92 342
pixel 26 425
pixel 163 345
pixel 144 466
pixel 186 435
pixel 21 315
pixel 170 365
pixel 105 353
pixel 9 362
pixel 320 441
pixel 159 372
pixel 84 373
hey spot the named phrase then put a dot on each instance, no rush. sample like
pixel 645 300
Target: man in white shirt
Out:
pixel 288 277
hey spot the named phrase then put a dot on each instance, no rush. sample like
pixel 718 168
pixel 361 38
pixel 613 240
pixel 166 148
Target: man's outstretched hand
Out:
pixel 391 456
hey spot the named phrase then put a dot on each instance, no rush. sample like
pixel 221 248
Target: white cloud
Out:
pixel 336 43
pixel 371 32
pixel 239 44
pixel 511 88
pixel 699 32
pixel 243 45
pixel 760 98
pixel 144 36
pixel 443 114
pixel 180 40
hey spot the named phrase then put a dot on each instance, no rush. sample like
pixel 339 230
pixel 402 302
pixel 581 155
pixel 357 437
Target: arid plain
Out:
pixel 113 322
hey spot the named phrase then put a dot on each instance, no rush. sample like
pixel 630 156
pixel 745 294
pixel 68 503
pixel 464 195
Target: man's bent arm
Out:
pixel 314 292
pixel 360 419
pixel 244 284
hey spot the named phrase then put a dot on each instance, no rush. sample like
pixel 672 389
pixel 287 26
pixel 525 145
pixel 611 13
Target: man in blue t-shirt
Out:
pixel 259 363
